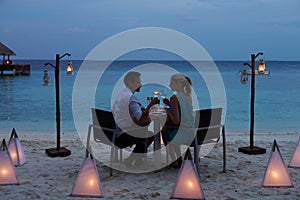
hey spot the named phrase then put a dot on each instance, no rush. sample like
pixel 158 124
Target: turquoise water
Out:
pixel 27 105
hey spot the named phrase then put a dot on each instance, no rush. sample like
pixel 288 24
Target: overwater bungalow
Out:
pixel 7 67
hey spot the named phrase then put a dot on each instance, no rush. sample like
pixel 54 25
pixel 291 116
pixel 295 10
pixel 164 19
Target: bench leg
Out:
pixel 111 160
pixel 196 154
pixel 88 141
pixel 113 150
pixel 121 156
pixel 116 155
pixel 167 155
pixel 224 149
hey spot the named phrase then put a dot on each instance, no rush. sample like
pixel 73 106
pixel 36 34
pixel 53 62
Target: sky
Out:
pixel 227 29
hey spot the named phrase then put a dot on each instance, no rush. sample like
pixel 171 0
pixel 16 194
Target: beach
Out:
pixel 42 177
pixel 62 61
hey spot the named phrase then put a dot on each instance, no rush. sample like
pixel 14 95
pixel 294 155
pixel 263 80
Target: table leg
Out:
pixel 157 142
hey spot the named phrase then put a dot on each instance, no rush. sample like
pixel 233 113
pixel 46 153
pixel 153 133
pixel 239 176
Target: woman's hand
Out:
pixel 166 101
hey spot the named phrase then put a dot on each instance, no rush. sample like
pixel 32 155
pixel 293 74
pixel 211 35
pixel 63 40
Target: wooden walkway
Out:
pixel 15 70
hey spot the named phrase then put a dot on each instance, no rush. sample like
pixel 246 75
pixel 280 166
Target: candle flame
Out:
pixel 4 171
pixel 275 175
pixel 190 184
pixel 69 68
pixel 91 182
pixel 13 155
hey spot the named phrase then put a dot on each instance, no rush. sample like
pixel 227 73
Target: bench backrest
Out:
pixel 208 124
pixel 103 122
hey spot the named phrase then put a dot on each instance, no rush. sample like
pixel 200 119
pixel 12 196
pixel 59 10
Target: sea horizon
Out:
pixel 27 105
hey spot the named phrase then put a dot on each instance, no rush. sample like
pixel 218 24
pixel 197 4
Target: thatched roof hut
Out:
pixel 4 50
pixel 8 65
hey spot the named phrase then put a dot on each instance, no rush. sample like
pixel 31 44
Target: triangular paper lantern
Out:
pixel 276 174
pixel 295 160
pixel 8 174
pixel 16 150
pixel 87 182
pixel 187 184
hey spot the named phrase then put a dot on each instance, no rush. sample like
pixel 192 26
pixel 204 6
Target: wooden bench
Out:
pixel 207 121
pixel 103 129
pixel 209 128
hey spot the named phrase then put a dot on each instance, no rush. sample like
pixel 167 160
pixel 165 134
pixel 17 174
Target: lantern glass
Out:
pixel 87 182
pixel 69 68
pixel 46 78
pixel 244 77
pixel 261 66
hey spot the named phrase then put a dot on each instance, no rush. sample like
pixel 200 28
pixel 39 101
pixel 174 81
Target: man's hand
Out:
pixel 154 101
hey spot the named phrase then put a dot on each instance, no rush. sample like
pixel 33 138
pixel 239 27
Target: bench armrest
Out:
pixel 209 127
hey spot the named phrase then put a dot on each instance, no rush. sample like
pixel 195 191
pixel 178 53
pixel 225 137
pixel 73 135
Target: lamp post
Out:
pixel 253 150
pixel 58 151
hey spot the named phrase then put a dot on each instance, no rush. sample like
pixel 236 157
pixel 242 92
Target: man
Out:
pixel 131 118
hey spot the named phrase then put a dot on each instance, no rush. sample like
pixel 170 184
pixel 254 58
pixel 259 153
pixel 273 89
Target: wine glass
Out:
pixel 156 93
pixel 163 95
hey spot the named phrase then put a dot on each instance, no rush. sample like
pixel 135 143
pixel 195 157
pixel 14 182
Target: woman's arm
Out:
pixel 173 116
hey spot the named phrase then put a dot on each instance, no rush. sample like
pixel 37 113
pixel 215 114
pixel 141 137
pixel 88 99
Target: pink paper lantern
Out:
pixel 87 182
pixel 187 184
pixel 295 160
pixel 16 150
pixel 276 174
pixel 8 174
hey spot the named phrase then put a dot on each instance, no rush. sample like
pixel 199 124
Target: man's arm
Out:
pixel 139 116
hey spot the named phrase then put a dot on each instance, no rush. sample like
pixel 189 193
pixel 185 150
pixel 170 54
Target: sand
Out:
pixel 42 177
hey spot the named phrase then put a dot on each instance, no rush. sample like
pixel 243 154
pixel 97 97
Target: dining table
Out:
pixel 159 118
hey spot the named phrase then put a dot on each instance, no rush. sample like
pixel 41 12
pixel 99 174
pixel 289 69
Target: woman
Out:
pixel 179 117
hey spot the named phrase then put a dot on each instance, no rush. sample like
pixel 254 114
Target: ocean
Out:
pixel 28 106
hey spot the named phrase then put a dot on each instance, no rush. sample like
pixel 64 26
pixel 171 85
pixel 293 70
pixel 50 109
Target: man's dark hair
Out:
pixel 131 76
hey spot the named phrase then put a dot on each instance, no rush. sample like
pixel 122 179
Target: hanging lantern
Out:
pixel 187 184
pixel 46 78
pixel 16 150
pixel 69 68
pixel 8 62
pixel 244 76
pixel 8 175
pixel 276 174
pixel 261 66
pixel 87 183
pixel 295 160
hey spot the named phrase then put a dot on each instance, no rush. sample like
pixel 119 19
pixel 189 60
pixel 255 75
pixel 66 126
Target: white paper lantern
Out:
pixel 87 182
pixel 187 184
pixel 16 150
pixel 8 174
pixel 295 160
pixel 276 174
